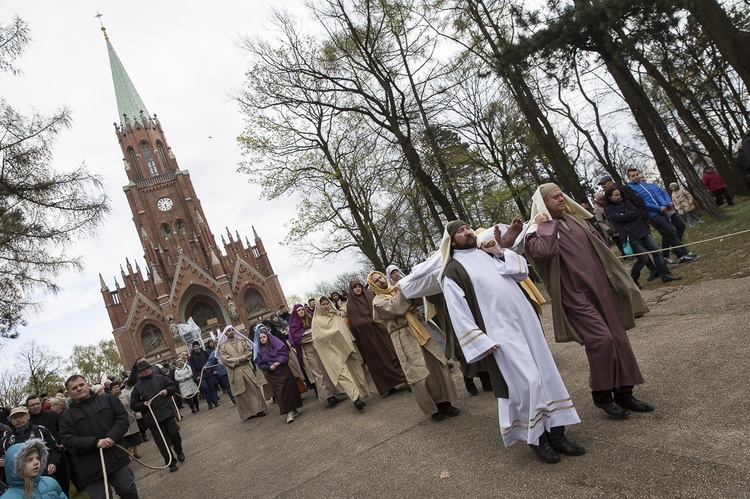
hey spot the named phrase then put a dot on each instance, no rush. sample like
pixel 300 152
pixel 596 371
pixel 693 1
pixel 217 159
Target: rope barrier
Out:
pixel 685 245
pixel 161 434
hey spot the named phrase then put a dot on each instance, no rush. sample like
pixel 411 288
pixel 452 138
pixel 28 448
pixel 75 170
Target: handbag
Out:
pixel 627 249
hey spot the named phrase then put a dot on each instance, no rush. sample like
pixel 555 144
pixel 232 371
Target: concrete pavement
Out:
pixel 693 348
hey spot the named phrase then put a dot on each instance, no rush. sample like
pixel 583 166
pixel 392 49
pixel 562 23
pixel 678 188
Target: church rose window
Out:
pixel 149 158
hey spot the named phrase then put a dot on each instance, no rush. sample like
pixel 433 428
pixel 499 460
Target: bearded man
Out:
pixel 495 321
pixel 594 300
pixel 245 379
pixel 423 362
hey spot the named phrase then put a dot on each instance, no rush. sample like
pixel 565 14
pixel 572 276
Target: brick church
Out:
pixel 187 273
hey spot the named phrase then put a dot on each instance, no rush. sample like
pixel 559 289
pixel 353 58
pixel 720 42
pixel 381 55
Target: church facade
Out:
pixel 188 274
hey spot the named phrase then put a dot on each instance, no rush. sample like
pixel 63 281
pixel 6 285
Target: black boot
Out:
pixel 470 386
pixel 544 451
pixel 486 382
pixel 558 441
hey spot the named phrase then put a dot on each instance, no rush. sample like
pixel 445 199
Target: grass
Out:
pixel 723 258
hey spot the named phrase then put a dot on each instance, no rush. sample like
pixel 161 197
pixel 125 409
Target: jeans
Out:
pixel 670 237
pixel 208 389
pixel 690 216
pixel 647 243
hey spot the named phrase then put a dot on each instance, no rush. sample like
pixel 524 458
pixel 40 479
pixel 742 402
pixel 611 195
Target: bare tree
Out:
pixel 42 369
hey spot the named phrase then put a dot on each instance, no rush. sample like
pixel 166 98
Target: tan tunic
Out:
pixel 246 383
pixel 335 345
pixel 390 312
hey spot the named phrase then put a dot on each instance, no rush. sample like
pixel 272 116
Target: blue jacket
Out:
pixel 45 487
pixel 213 362
pixel 654 196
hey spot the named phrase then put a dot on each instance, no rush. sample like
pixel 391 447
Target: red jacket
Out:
pixel 712 181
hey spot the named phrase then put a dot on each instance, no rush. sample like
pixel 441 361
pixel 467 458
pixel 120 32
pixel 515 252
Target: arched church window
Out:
pixel 152 339
pixel 166 229
pixel 181 229
pixel 134 162
pixel 162 156
pixel 148 157
pixel 202 313
pixel 254 303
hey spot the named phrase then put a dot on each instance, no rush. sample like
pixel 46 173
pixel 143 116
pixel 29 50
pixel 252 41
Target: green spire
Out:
pixel 129 103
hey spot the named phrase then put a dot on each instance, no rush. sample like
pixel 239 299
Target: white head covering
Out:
pixel 223 338
pixel 539 207
pixel 390 269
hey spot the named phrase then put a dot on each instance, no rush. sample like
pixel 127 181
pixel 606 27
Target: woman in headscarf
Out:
pixel 283 336
pixel 235 352
pixel 300 335
pixel 373 340
pixel 273 358
pixel 335 345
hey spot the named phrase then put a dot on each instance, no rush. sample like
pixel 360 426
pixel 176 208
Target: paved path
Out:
pixel 693 348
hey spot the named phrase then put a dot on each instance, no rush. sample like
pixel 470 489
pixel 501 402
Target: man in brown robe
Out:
pixel 236 355
pixel 593 299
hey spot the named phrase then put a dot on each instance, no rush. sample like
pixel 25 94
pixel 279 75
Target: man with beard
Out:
pixel 494 320
pixel 153 394
pixel 594 300
pixel 236 354
pixel 423 363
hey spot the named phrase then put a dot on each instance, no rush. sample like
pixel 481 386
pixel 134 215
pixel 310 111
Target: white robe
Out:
pixel 538 399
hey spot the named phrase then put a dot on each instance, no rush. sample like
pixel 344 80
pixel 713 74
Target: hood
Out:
pixel 14 460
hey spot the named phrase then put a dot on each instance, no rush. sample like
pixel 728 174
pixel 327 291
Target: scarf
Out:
pixel 412 316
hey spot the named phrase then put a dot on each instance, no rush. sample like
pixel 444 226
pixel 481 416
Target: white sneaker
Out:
pixel 289 418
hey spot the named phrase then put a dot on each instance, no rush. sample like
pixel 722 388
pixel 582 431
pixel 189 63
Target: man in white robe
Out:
pixel 492 317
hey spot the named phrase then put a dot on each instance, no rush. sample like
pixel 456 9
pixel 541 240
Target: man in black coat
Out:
pixel 94 422
pixel 50 420
pixel 153 393
pixel 22 430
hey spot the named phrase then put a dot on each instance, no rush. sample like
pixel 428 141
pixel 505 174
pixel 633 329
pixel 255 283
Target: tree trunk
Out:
pixel 731 42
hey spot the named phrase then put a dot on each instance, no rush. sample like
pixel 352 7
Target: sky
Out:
pixel 184 60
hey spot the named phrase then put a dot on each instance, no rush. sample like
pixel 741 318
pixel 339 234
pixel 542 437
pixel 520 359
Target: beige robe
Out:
pixel 425 366
pixel 315 370
pixel 335 346
pixel 246 383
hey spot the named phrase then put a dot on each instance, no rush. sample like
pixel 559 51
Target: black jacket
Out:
pixel 627 220
pixel 15 436
pixel 145 389
pixel 48 419
pixel 87 422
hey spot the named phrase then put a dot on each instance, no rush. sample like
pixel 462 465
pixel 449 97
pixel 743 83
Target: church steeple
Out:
pixel 129 103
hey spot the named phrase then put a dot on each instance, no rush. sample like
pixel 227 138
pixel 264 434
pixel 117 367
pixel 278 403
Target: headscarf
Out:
pixel 445 243
pixel 223 338
pixel 416 327
pixel 298 325
pixel 539 207
pixel 389 270
pixel 274 351
pixel 359 308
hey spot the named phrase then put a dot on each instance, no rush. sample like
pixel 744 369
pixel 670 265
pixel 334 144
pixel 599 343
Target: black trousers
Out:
pixel 613 395
pixel 171 431
pixel 121 480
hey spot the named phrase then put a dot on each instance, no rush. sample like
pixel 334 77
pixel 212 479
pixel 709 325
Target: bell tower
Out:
pixel 187 273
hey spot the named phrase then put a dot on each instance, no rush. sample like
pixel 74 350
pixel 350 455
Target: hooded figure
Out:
pixel 37 486
pixel 335 346
pixel 300 335
pixel 373 340
pixel 593 299
pixel 272 357
pixel 235 351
